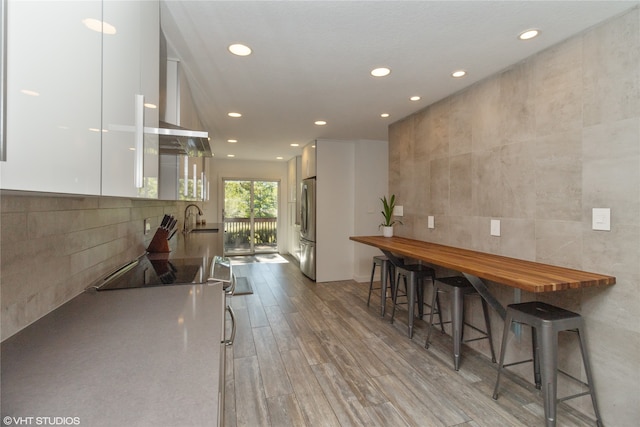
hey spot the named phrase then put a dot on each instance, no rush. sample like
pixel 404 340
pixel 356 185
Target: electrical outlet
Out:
pixel 495 227
pixel 431 222
pixel 147 226
pixel 601 219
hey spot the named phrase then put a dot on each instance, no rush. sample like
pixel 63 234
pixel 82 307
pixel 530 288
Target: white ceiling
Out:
pixel 311 60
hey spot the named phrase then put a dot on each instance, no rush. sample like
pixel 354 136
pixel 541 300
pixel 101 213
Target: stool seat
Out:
pixel 415 274
pixel 546 322
pixel 537 312
pixel 458 287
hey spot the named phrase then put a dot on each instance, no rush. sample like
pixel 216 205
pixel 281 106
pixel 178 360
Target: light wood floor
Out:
pixel 314 354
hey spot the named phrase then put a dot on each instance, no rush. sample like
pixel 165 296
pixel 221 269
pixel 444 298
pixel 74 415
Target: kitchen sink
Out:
pixel 205 230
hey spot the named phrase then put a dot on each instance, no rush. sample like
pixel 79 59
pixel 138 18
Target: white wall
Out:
pixel 334 210
pixel 371 183
pixel 352 176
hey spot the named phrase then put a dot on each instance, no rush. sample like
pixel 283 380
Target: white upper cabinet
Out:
pixel 53 97
pixel 309 160
pixel 130 98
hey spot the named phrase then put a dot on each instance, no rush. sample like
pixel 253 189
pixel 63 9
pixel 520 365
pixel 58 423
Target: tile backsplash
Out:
pixel 52 247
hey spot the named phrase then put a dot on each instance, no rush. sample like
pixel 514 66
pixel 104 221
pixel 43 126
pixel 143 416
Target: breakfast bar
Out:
pixel 479 266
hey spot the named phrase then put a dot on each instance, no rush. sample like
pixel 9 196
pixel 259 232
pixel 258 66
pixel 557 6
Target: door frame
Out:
pixel 252 250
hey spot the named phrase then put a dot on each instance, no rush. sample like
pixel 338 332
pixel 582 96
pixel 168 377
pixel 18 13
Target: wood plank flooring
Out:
pixel 313 354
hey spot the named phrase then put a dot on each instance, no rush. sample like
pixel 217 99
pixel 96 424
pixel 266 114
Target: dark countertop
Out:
pixel 188 261
pixel 145 356
pixel 202 241
pixel 136 357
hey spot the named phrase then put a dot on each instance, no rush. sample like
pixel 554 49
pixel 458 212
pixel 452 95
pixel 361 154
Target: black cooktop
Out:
pixel 145 273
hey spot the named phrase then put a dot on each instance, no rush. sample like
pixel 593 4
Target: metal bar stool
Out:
pixel 546 322
pixel 458 287
pixel 386 271
pixel 421 274
pixel 416 273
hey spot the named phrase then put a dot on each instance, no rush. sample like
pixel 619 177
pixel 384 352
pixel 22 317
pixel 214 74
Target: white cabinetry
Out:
pixel 71 97
pixel 294 171
pixel 309 160
pixel 131 55
pixel 53 98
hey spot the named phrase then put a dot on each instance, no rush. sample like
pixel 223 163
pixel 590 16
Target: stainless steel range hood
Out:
pixel 177 140
pixel 177 111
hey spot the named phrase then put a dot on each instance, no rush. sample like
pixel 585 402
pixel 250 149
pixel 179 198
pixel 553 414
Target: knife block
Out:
pixel 159 243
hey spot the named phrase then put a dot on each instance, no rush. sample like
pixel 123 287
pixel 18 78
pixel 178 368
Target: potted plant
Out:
pixel 387 213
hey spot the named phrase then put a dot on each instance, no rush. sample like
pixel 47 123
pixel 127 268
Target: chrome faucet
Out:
pixel 187 214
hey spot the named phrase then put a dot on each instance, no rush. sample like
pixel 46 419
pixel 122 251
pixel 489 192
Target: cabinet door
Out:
pixel 130 99
pixel 191 178
pixel 150 87
pixel 309 160
pixel 53 97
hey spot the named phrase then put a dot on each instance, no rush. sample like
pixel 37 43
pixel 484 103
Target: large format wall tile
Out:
pixel 612 49
pixel 487 183
pixel 461 185
pixel 537 146
pixel 611 169
pixel 559 243
pixel 517 169
pixel 517 102
pixel 558 179
pixel 558 99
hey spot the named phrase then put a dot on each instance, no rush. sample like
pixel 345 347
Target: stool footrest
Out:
pixel 506 365
pixel 475 339
pixel 573 396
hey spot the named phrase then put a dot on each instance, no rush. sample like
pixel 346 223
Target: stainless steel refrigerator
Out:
pixel 308 228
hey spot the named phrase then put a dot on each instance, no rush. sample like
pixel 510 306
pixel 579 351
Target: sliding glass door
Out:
pixel 250 216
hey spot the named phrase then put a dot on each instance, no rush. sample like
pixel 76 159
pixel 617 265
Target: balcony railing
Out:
pixel 237 232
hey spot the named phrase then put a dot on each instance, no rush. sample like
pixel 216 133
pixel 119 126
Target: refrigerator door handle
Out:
pixel 304 211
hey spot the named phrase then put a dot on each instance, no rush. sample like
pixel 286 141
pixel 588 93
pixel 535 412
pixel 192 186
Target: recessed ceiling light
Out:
pixel 380 72
pixel 459 73
pixel 231 155
pixel 384 115
pixel 233 114
pixel 233 141
pixel 279 158
pixel 320 122
pixel 151 106
pixel 240 49
pixel 295 145
pixel 415 98
pixel 529 34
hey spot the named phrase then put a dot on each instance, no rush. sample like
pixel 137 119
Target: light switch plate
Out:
pixel 601 219
pixel 147 226
pixel 495 227
pixel 431 222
